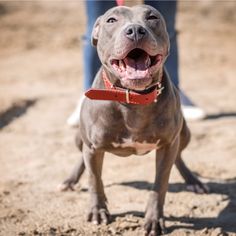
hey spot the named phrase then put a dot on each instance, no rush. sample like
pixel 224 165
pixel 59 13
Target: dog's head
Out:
pixel 132 45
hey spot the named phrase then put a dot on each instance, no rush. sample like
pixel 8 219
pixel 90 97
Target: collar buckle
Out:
pixel 159 88
pixel 127 95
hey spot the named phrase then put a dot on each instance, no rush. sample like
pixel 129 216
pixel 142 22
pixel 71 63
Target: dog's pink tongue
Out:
pixel 136 68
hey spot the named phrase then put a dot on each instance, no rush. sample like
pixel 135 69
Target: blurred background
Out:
pixel 41 78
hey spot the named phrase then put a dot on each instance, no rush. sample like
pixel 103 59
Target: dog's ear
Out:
pixel 95 32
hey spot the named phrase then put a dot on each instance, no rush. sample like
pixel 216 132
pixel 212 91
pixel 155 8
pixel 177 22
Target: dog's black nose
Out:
pixel 135 32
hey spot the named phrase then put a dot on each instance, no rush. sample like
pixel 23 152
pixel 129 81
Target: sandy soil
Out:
pixel 40 81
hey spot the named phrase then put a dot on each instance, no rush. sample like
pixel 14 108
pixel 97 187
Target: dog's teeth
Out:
pixel 121 64
pixel 148 62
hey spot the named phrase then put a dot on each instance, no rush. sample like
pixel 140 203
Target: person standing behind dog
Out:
pixel 96 8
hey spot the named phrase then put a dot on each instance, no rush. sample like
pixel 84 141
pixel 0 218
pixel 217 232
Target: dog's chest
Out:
pixel 140 148
pixel 137 132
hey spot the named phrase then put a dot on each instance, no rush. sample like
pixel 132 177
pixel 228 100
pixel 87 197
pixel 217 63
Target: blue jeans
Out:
pixel 95 8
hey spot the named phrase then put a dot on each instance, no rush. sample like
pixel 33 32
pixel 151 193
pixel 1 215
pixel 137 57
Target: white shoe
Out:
pixel 193 113
pixel 73 120
pixel 190 111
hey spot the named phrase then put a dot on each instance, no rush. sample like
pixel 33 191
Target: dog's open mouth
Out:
pixel 137 65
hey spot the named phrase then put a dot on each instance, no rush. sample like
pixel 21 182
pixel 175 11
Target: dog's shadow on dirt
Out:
pixel 17 110
pixel 221 115
pixel 225 220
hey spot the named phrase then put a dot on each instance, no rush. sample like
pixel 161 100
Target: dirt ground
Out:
pixel 40 82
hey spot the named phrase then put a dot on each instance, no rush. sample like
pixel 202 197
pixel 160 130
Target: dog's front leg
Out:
pixel 98 212
pixel 154 218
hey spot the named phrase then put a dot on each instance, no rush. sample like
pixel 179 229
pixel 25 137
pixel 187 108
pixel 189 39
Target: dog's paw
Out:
pixel 66 186
pixel 154 227
pixel 98 215
pixel 194 184
pixel 199 188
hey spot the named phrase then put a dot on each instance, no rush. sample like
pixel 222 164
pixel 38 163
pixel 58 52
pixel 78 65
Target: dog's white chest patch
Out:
pixel 141 148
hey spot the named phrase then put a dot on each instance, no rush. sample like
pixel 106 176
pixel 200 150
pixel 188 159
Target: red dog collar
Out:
pixel 112 93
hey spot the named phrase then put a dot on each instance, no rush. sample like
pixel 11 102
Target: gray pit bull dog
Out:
pixel 134 109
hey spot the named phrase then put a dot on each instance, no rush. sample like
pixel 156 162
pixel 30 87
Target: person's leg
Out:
pixel 91 62
pixel 94 9
pixel 168 10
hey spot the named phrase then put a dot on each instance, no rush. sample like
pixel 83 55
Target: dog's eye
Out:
pixel 152 17
pixel 111 20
